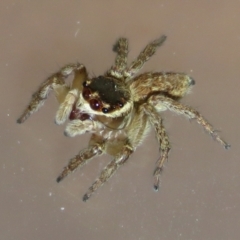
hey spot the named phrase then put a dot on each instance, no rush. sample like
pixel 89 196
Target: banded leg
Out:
pixel 82 158
pixel 190 113
pixel 157 123
pixel 38 99
pixel 121 48
pixel 144 56
pixel 109 170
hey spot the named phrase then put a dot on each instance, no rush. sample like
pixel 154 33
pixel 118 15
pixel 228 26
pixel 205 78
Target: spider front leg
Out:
pixel 175 106
pixel 157 123
pixel 121 48
pixel 38 99
pixel 82 158
pixel 109 170
pixel 66 97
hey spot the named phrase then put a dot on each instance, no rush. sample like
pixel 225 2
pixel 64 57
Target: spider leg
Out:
pixel 136 131
pixel 82 158
pixel 157 123
pixel 189 112
pixel 66 97
pixel 66 106
pixel 56 80
pixel 121 48
pixel 109 170
pixel 144 56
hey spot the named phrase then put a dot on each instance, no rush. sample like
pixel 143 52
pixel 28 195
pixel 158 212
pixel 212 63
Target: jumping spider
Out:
pixel 118 108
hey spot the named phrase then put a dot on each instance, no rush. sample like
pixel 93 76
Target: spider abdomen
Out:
pixel 173 84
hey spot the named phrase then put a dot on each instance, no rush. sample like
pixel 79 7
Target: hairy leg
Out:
pixel 109 170
pixel 82 158
pixel 189 112
pixel 54 81
pixel 136 132
pixel 68 99
pixel 157 123
pixel 66 106
pixel 121 48
pixel 144 56
pixel 122 149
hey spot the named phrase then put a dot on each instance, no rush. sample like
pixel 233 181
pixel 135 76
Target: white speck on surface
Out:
pixel 62 208
pixel 50 194
pixel 76 33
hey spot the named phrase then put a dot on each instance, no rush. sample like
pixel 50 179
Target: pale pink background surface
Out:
pixel 199 196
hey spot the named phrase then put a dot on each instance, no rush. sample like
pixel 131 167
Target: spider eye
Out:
pixel 105 110
pixel 84 84
pixel 86 93
pixel 120 104
pixel 95 104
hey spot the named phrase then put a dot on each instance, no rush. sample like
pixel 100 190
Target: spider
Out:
pixel 118 108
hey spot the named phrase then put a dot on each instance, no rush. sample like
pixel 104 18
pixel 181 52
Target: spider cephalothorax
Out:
pixel 118 108
pixel 107 95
